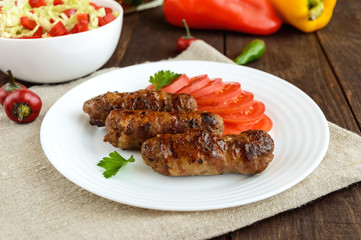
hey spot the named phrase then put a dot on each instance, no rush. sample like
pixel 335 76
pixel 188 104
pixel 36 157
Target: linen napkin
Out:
pixel 37 202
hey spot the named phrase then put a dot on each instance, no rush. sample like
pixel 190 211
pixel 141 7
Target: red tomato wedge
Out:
pixel 28 23
pixel 74 29
pixel 235 105
pixel 196 84
pixel 212 86
pixel 70 11
pixel 106 19
pixel 250 115
pixel 58 29
pixel 229 91
pixel 37 3
pixel 108 10
pixel 178 83
pixel 58 2
pixel 96 7
pixel 265 124
pixel 83 22
pixel 38 33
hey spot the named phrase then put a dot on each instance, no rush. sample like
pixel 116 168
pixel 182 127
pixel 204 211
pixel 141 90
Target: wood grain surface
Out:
pixel 325 64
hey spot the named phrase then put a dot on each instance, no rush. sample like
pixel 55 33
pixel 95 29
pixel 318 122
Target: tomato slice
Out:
pixel 58 2
pixel 58 29
pixel 37 3
pixel 265 124
pixel 70 11
pixel 96 7
pixel 74 29
pixel 177 84
pixel 83 22
pixel 212 86
pixel 229 91
pixel 28 23
pixel 150 87
pixel 238 104
pixel 38 32
pixel 196 83
pixel 234 128
pixel 108 10
pixel 251 115
pixel 106 19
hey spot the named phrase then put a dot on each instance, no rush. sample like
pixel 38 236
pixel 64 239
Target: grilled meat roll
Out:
pixel 128 129
pixel 99 107
pixel 203 153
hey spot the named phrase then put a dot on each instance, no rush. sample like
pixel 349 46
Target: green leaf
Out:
pixel 163 78
pixel 113 163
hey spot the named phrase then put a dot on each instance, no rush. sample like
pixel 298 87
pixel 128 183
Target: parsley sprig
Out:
pixel 163 78
pixel 113 163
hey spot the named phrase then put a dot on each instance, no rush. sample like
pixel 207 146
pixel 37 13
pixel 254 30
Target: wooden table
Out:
pixel 325 65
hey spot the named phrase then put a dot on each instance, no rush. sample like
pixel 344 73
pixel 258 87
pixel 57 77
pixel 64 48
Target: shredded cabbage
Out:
pixel 44 16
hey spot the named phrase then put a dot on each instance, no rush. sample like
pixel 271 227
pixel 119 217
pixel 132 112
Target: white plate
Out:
pixel 74 147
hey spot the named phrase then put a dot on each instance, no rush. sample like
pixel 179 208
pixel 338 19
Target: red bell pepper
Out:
pixel 248 16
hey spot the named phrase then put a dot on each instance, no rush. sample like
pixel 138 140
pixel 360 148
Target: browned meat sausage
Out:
pixel 99 107
pixel 203 153
pixel 128 129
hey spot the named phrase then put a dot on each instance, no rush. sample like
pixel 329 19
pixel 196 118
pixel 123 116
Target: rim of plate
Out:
pixel 229 196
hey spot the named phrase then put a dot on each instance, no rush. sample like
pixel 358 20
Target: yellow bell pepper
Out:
pixel 306 15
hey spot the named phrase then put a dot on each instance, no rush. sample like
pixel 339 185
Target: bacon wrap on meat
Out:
pixel 99 107
pixel 128 129
pixel 203 153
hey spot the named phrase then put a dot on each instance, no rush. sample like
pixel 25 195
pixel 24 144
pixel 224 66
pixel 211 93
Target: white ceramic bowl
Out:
pixel 64 58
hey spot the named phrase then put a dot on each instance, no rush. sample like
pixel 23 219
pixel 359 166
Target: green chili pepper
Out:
pixel 253 51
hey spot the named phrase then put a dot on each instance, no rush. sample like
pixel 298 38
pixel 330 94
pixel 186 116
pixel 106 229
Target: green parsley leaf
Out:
pixel 163 78
pixel 113 163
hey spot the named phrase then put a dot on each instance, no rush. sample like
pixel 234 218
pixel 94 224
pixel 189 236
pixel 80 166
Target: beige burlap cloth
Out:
pixel 37 202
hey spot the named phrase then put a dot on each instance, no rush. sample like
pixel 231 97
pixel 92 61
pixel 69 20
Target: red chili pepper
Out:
pixel 22 106
pixel 9 87
pixel 184 41
pixel 248 16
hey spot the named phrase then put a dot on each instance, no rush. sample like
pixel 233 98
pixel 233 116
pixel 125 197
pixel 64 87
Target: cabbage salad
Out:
pixel 39 18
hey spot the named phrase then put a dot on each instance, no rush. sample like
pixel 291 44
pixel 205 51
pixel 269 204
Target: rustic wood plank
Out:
pixel 154 39
pixel 341 41
pixel 320 219
pixel 129 24
pixel 298 58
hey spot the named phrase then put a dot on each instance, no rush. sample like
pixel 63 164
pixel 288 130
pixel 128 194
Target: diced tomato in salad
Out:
pixel 69 12
pixel 58 30
pixel 238 108
pixel 58 2
pixel 28 23
pixel 37 3
pixel 83 21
